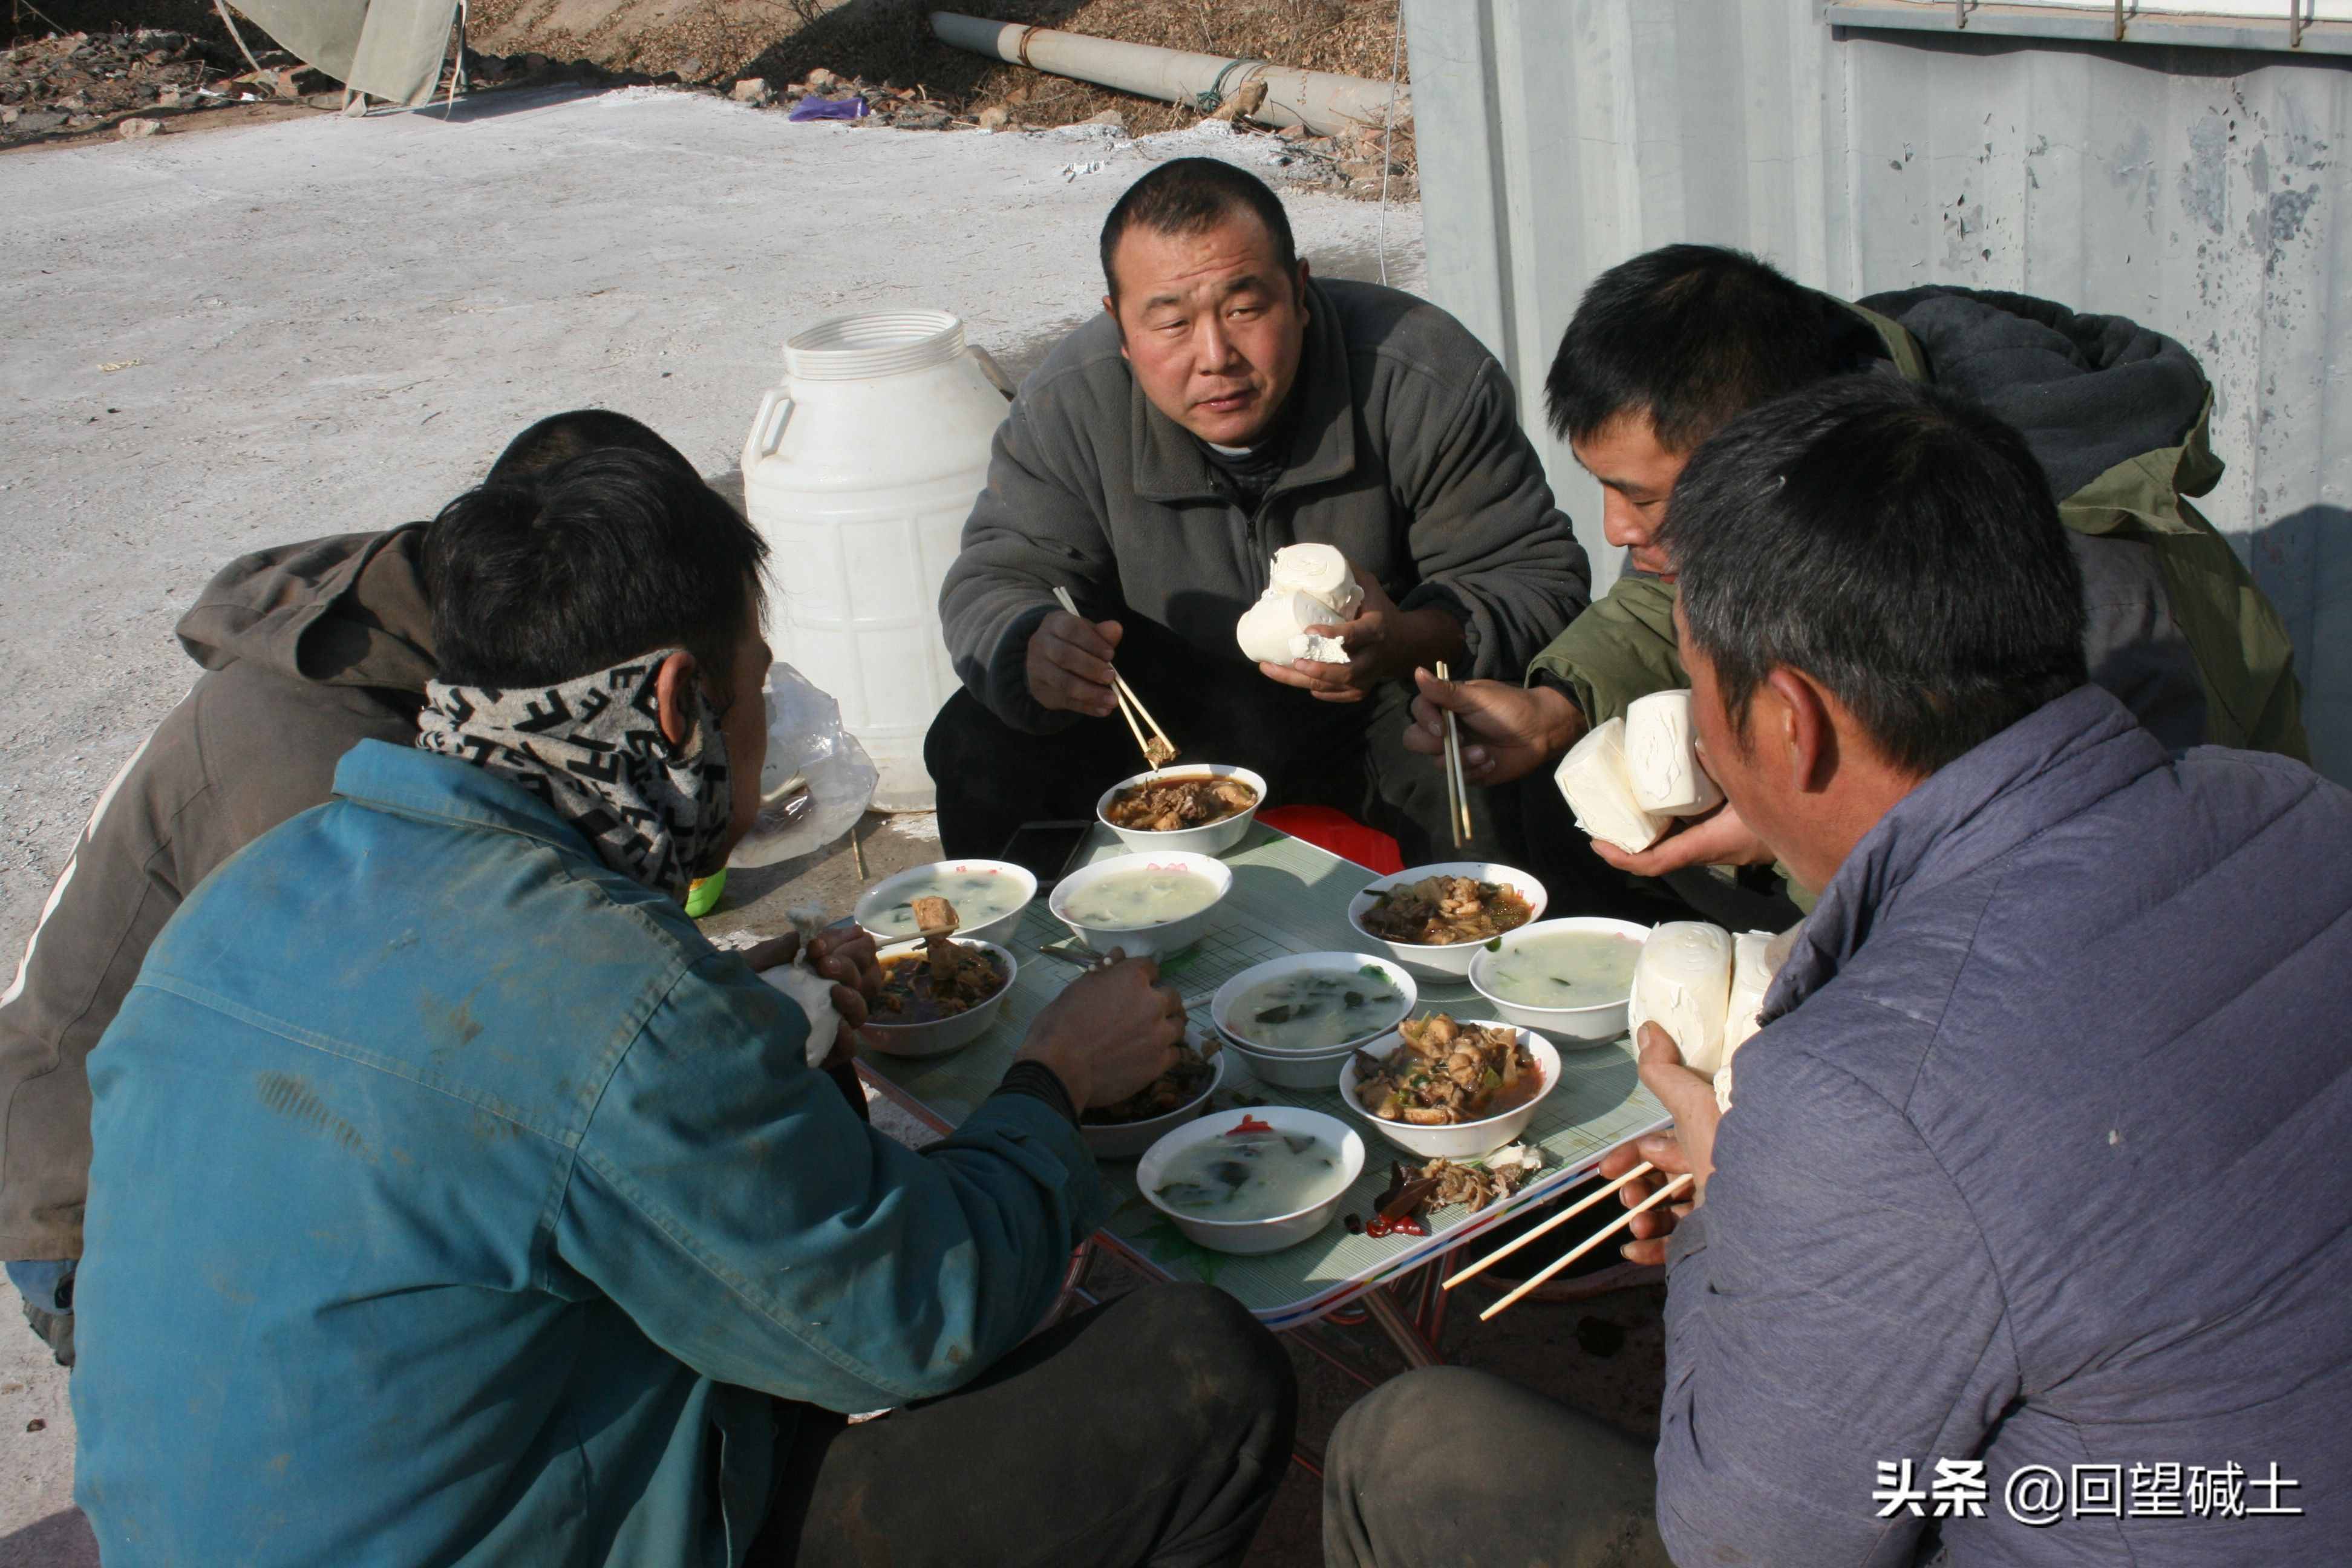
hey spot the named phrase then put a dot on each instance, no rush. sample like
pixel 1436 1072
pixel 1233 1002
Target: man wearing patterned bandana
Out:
pixel 305 649
pixel 542 1242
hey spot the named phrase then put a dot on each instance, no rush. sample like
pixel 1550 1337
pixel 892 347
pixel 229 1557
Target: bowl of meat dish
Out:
pixel 919 1012
pixel 990 897
pixel 1293 1020
pixel 1123 1130
pixel 1252 1181
pixel 1146 905
pixel 1570 980
pixel 1456 1087
pixel 1204 808
pixel 1435 919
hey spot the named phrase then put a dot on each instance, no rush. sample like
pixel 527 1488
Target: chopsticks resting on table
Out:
pixel 1562 1218
pixel 1159 751
pixel 1670 1190
pixel 1458 792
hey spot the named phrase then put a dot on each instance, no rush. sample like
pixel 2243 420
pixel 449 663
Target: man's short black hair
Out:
pixel 1190 195
pixel 1895 544
pixel 1694 336
pixel 615 553
pixel 560 438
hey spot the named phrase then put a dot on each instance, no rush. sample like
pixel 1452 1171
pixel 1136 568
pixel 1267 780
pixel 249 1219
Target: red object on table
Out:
pixel 1337 832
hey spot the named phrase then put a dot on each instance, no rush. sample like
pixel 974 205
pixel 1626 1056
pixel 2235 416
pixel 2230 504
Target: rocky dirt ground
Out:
pixel 130 84
pixel 187 71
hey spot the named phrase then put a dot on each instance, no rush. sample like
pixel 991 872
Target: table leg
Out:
pixel 1310 1338
pixel 1381 1306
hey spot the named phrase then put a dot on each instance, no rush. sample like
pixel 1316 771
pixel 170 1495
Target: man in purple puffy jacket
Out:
pixel 2023 1240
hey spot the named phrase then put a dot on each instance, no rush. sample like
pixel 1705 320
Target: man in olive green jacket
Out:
pixel 1668 347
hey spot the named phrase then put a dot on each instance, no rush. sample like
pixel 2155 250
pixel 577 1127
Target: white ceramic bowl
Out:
pixel 1143 941
pixel 1462 1139
pixel 891 890
pixel 1253 1236
pixel 940 1036
pixel 1448 960
pixel 1126 1140
pixel 1210 838
pixel 1570 1027
pixel 1297 1068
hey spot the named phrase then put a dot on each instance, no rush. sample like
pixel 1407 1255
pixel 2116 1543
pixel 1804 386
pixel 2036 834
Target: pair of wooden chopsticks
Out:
pixel 1458 792
pixel 1653 1201
pixel 1159 751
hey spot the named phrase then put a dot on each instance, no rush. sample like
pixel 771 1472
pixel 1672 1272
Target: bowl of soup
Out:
pixel 1433 919
pixel 1252 1181
pixel 1146 904
pixel 1204 808
pixel 990 897
pixel 1291 1018
pixel 1392 1084
pixel 910 1018
pixel 1570 980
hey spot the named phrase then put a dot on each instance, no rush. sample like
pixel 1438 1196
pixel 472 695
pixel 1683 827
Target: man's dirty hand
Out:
pixel 1687 1151
pixel 1069 663
pixel 1111 1031
pixel 1718 838
pixel 1507 731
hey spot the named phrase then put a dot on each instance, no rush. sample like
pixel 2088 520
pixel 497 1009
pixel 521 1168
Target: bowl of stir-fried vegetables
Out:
pixel 1457 1087
pixel 1433 919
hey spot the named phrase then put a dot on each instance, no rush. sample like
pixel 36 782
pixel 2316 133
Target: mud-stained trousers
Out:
pixel 1153 1430
pixel 1449 1467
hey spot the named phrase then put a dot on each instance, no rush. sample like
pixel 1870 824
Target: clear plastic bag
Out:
pixel 818 780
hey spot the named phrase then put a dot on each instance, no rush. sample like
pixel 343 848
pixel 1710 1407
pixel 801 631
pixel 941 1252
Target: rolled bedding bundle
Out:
pixel 1660 759
pixel 1592 777
pixel 1307 585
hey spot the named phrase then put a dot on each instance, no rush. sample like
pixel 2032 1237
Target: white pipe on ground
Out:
pixel 1323 101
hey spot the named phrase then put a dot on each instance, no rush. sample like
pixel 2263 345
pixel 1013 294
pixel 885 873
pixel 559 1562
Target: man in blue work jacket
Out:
pixel 454 1201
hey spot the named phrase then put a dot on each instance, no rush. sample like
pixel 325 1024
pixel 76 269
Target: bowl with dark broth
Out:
pixel 1457 1087
pixel 1433 919
pixel 916 1016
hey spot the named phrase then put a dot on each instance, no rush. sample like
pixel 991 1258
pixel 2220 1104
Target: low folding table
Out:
pixel 1287 897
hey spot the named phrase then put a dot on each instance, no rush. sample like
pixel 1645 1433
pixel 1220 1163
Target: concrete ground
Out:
pixel 225 339
pixel 229 339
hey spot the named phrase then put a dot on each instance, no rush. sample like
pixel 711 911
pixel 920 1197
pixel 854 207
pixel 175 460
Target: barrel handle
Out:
pixel 768 425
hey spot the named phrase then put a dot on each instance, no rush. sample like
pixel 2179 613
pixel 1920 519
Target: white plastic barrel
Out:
pixel 860 470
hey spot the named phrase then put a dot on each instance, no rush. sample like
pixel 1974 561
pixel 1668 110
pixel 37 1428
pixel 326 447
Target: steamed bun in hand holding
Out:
pixel 1661 757
pixel 1308 586
pixel 1682 983
pixel 1592 777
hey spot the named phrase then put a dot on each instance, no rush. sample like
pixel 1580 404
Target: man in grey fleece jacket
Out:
pixel 307 650
pixel 2023 1239
pixel 1223 406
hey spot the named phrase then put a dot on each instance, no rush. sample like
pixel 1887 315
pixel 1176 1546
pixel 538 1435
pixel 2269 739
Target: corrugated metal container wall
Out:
pixel 2192 189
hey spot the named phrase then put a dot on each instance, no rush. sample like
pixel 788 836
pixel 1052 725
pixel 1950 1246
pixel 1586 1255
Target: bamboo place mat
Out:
pixel 1287 897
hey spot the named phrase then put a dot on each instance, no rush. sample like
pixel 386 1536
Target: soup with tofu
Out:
pixel 978 897
pixel 1564 969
